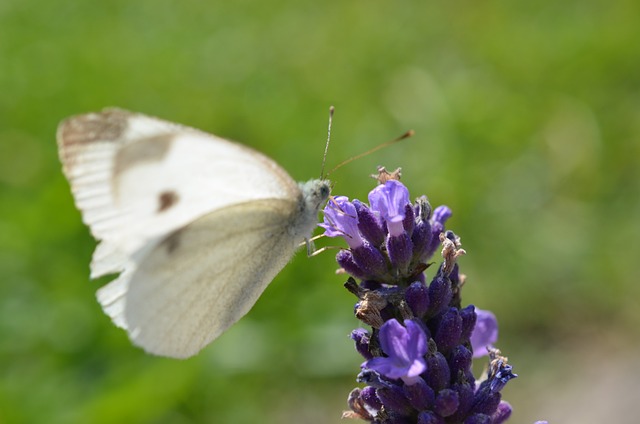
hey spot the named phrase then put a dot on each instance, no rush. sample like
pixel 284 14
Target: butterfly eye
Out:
pixel 324 191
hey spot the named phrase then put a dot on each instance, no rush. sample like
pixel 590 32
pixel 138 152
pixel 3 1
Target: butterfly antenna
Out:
pixel 388 143
pixel 326 146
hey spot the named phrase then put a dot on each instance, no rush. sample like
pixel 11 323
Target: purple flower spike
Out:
pixel 485 333
pixel 341 220
pixel 405 348
pixel 420 370
pixel 390 201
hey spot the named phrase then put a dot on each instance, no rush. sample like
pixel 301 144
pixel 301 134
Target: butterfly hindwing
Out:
pixel 202 278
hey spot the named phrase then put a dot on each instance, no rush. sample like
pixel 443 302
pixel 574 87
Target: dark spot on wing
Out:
pixel 166 200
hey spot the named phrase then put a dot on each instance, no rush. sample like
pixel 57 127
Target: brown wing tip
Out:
pixel 79 130
pixel 107 125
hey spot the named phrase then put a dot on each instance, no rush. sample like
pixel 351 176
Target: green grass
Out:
pixel 527 120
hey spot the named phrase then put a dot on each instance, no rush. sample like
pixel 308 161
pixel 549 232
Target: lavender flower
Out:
pixel 341 219
pixel 405 348
pixel 419 372
pixel 390 200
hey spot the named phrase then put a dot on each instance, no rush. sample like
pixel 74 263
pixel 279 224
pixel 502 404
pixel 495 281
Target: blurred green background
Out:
pixel 528 123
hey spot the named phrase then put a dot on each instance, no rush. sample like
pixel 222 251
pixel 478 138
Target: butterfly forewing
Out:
pixel 136 177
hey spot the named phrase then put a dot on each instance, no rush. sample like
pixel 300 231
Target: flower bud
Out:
pixel 393 399
pixel 361 337
pixel 468 315
pixel 465 400
pixel 447 335
pixel 370 399
pixel 421 239
pixel 400 251
pixel 441 214
pixel 440 294
pixel 428 417
pixel 417 297
pixel 446 402
pixel 485 401
pixel 438 374
pixel 346 261
pixel 460 361
pixel 369 224
pixel 502 414
pixel 419 394
pixel 409 221
pixel 370 260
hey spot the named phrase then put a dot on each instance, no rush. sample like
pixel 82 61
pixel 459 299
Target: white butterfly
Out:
pixel 197 226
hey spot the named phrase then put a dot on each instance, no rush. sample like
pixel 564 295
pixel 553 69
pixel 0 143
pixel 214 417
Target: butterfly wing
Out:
pixel 141 184
pixel 136 178
pixel 202 278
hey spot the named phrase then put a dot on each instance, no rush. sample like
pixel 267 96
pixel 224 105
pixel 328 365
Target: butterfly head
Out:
pixel 315 193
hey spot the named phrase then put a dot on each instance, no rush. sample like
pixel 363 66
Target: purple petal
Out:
pixel 405 348
pixel 485 332
pixel 384 366
pixel 391 335
pixel 417 339
pixel 418 366
pixel 441 214
pixel 341 220
pixel 390 200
